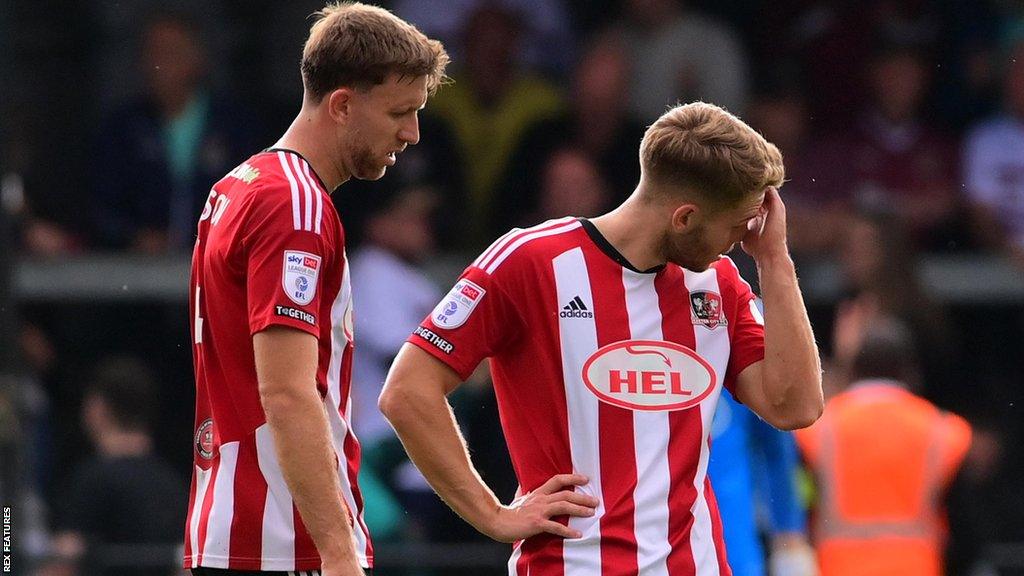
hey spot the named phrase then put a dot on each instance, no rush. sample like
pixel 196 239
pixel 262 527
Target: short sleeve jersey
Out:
pixel 610 372
pixel 270 251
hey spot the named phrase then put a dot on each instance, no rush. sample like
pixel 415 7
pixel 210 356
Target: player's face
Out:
pixel 384 120
pixel 716 235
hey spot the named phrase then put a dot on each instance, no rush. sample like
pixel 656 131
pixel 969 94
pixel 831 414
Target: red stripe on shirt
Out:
pixel 250 502
pixel 615 429
pixel 684 427
pixel 495 252
pixel 353 452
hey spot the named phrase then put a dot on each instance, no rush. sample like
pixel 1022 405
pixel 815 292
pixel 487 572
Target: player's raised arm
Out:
pixel 785 388
pixel 286 361
pixel 414 401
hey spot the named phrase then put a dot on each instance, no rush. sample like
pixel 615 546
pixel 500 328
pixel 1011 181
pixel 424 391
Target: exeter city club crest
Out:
pixel 706 309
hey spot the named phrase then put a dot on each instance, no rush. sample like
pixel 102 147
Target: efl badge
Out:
pixel 204 439
pixel 456 307
pixel 301 270
pixel 706 309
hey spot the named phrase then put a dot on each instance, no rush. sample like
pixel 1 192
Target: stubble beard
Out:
pixel 365 166
pixel 690 251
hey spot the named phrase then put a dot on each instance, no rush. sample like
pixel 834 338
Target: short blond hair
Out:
pixel 358 45
pixel 706 151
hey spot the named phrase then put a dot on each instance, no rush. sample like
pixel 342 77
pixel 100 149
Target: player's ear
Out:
pixel 339 104
pixel 685 217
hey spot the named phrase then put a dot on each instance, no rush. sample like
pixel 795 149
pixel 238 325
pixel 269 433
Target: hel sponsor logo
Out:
pixel 456 307
pixel 441 344
pixel 649 375
pixel 299 277
pixel 204 439
pixel 295 313
pixel 706 309
pixel 575 309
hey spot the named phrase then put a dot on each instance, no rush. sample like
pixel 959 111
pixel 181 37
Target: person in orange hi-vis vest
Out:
pixel 882 458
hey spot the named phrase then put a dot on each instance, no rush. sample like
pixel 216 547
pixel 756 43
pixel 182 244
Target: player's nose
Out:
pixel 410 132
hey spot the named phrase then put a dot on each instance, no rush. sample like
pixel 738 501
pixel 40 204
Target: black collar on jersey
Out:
pixel 610 250
pixel 311 169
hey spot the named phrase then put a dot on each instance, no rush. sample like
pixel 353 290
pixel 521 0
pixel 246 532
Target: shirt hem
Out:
pixel 267 564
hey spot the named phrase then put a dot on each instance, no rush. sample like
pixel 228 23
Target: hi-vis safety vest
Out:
pixel 883 459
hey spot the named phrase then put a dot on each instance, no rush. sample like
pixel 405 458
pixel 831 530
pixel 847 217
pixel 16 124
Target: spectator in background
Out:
pixel 598 125
pixel 390 291
pixel 124 494
pixel 994 162
pixel 547 42
pixel 568 182
pixel 571 184
pixel 880 511
pixel 490 106
pixel 817 175
pixel 157 155
pixel 896 157
pixel 390 294
pixel 683 56
pixel 879 267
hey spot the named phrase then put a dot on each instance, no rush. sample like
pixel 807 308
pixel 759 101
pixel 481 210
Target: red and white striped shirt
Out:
pixel 270 251
pixel 613 373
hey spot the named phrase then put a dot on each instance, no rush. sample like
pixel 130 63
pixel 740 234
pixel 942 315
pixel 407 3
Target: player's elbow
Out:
pixel 393 401
pixel 795 418
pixel 279 399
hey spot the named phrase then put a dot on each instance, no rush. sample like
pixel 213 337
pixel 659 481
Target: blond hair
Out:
pixel 357 45
pixel 705 151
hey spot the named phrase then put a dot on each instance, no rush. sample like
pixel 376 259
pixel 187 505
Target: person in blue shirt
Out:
pixel 753 469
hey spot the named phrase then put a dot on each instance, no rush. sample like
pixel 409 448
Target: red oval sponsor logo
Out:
pixel 649 375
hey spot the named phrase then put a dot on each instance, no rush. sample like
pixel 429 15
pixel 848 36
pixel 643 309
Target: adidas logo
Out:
pixel 575 309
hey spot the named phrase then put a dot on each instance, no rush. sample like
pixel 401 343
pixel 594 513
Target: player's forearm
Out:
pixel 423 420
pixel 299 427
pixel 792 368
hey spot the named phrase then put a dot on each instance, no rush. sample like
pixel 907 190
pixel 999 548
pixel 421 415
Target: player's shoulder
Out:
pixel 283 171
pixel 520 246
pixel 726 269
pixel 730 280
pixel 284 183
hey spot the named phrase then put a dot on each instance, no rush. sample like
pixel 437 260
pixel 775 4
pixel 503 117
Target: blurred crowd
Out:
pixel 901 123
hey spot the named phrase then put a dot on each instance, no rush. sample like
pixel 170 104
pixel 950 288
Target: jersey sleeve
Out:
pixel 747 338
pixel 475 320
pixel 283 265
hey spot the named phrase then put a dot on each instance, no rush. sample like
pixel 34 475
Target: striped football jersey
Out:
pixel 614 373
pixel 270 251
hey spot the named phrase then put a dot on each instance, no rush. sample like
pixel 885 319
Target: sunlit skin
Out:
pixel 694 237
pixel 716 234
pixel 379 124
pixel 353 132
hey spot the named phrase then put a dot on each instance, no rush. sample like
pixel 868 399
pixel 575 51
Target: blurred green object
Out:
pixel 381 512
